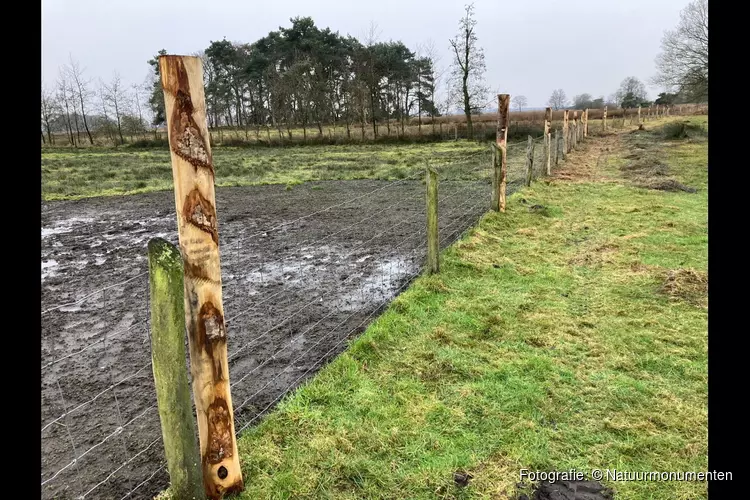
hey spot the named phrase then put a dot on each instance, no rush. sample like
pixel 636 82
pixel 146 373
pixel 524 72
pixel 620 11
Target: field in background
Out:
pixel 93 172
pixel 69 173
pixel 444 128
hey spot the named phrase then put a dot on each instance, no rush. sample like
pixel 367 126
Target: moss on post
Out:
pixel 170 371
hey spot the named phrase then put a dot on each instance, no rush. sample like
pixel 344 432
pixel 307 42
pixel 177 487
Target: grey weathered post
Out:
pixel 604 118
pixel 565 134
pixel 496 174
pixel 639 115
pixel 557 147
pixel 529 160
pixel 575 129
pixel 433 247
pixel 170 370
pixel 547 140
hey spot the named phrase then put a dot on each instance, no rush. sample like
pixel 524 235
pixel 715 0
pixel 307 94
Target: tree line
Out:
pixel 307 77
pixel 304 76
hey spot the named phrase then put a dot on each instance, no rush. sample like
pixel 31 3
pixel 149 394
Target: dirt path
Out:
pixel 293 294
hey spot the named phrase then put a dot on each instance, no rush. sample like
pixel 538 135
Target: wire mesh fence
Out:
pixel 304 271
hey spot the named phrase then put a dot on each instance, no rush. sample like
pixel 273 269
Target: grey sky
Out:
pixel 531 48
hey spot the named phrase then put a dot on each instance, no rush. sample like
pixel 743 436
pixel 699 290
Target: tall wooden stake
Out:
pixel 547 140
pixel 170 370
pixel 604 118
pixel 193 173
pixel 586 122
pixel 503 113
pixel 575 129
pixel 496 173
pixel 433 242
pixel 639 115
pixel 557 147
pixel 529 160
pixel 565 134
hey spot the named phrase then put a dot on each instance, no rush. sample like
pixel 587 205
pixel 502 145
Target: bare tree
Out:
pixel 106 124
pixel 137 97
pixel 63 97
pixel 519 102
pixel 49 110
pixel 468 68
pixel 558 99
pixel 583 101
pixel 683 61
pixel 435 76
pixel 631 92
pixel 115 95
pixel 80 86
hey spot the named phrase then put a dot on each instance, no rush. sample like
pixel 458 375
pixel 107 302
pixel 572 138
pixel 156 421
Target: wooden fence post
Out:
pixel 170 370
pixel 604 118
pixel 586 122
pixel 495 198
pixel 565 135
pixel 557 147
pixel 575 129
pixel 547 140
pixel 193 173
pixel 639 115
pixel 503 113
pixel 529 160
pixel 433 242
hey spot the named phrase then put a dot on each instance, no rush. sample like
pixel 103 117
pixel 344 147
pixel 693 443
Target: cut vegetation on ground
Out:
pixel 569 332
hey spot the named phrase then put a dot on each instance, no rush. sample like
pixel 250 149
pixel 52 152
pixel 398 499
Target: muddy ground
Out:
pixel 293 294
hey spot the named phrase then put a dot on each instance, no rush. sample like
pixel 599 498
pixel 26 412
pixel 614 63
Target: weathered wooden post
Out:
pixel 495 198
pixel 639 115
pixel 656 111
pixel 170 371
pixel 193 173
pixel 557 147
pixel 547 140
pixel 529 160
pixel 586 122
pixel 604 118
pixel 503 113
pixel 575 129
pixel 565 134
pixel 433 242
pixel 455 132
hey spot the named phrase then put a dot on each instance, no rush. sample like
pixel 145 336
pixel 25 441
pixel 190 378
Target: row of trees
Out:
pixel 631 94
pixel 300 76
pixel 80 108
pixel 306 76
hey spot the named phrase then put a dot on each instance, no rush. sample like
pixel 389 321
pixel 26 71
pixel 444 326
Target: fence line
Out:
pixel 455 218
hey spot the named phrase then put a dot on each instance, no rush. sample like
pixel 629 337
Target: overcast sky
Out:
pixel 531 48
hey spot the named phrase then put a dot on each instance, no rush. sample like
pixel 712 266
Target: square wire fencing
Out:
pixel 304 271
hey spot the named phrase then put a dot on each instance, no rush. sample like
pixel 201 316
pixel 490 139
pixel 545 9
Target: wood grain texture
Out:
pixel 193 173
pixel 503 116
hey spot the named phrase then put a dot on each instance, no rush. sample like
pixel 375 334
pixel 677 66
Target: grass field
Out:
pixel 82 173
pixel 569 332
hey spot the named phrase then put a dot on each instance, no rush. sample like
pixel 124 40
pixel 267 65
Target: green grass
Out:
pixel 547 342
pixel 82 173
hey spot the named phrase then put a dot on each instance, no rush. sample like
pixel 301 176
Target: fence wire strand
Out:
pixel 395 255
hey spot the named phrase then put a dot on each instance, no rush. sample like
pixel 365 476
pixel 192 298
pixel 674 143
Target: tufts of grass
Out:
pixel 575 340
